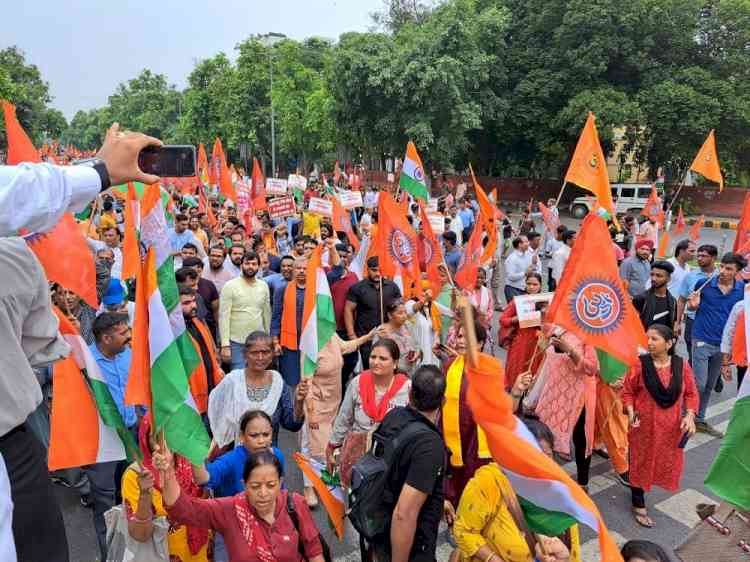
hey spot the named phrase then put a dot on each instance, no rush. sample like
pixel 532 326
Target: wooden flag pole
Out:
pixel 380 283
pixel 679 189
pixel 559 195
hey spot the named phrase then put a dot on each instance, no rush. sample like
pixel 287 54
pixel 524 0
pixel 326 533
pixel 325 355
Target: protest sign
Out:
pixel 276 186
pixel 297 182
pixel 320 206
pixel 350 199
pixel 281 207
pixel 437 222
pixel 528 308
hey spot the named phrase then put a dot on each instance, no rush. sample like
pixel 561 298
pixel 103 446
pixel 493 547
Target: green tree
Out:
pixel 87 128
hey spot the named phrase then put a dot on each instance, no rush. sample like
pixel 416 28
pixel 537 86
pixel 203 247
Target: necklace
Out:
pixel 257 393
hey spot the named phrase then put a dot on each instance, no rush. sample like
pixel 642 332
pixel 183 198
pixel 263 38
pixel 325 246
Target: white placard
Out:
pixel 320 207
pixel 432 205
pixel 350 199
pixel 526 308
pixel 276 186
pixel 391 177
pixel 297 182
pixel 437 222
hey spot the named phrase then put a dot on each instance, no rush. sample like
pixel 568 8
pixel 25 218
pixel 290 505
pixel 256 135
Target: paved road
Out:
pixel 673 514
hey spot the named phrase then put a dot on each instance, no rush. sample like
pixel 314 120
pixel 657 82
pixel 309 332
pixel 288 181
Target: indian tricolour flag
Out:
pixel 318 318
pixel 86 427
pixel 412 174
pixel 729 474
pixel 551 501
pixel 163 354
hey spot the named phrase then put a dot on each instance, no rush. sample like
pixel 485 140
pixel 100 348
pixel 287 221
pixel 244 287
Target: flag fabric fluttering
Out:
pixel 661 251
pixel 551 220
pixel 395 242
pixel 131 250
pixel 85 425
pixel 680 224
pixel 331 494
pixel 429 252
pixel 550 500
pixel 76 272
pixel 202 170
pixel 318 317
pixel 588 167
pixel 20 147
pixel 222 176
pixel 706 161
pixel 743 227
pixel 359 261
pixel 591 302
pixel 487 218
pixel 695 230
pixel 653 209
pixel 258 187
pixel 731 468
pixel 468 266
pixel 171 357
pixel 342 222
pixel 412 178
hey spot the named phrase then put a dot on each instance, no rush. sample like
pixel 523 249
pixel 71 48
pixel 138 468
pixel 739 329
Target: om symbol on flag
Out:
pixel 597 306
pixel 400 247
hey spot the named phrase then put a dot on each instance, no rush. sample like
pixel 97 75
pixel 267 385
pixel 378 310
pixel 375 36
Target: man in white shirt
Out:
pixel 683 253
pixel 457 225
pixel 560 257
pixel 370 200
pixel 517 266
pixel 535 243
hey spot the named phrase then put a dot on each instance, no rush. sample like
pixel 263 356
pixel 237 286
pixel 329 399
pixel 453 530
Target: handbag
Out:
pixel 121 547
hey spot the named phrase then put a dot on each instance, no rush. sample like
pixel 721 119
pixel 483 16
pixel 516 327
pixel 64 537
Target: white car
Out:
pixel 628 198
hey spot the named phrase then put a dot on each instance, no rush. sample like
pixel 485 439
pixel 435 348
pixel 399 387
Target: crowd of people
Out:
pixel 398 357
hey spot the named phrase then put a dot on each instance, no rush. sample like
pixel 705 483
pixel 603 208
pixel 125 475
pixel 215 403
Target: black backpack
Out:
pixel 371 501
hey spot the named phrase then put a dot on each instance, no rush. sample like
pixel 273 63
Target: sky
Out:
pixel 85 48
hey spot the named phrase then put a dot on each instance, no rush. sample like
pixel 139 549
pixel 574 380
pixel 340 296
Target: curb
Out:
pixel 726 225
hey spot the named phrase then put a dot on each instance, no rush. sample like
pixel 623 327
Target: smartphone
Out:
pixel 683 441
pixel 540 306
pixel 170 160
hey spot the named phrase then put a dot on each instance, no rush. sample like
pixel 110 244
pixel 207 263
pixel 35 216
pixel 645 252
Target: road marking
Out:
pixel 703 438
pixel 590 549
pixel 720 408
pixel 681 506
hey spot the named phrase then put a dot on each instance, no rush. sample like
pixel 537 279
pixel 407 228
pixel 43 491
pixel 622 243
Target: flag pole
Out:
pixel 679 189
pixel 559 195
pixel 380 282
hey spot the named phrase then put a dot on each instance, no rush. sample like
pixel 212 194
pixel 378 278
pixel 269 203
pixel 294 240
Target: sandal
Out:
pixel 642 518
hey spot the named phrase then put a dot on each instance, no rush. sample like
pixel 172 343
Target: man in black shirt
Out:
pixel 416 477
pixel 656 305
pixel 364 307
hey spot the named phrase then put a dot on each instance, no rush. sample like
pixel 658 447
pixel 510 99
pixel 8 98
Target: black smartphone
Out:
pixel 170 160
pixel 683 441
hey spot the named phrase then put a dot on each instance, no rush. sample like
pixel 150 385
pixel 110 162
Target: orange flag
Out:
pixel 258 182
pixel 332 497
pixel 395 242
pixel 131 252
pixel 706 161
pixel 66 258
pixel 404 202
pixel 487 216
pixel 336 173
pixel 202 170
pixel 695 230
pixel 20 147
pixel 590 300
pixel 743 227
pixel 661 252
pixel 551 220
pixel 588 168
pixel 223 177
pixel 429 252
pixel 468 267
pixel 342 222
pixel 138 390
pixel 680 224
pixel 653 209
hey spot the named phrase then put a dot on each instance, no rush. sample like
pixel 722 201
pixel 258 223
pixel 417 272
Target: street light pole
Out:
pixel 273 120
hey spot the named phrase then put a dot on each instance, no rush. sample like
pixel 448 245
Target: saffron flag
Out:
pixel 661 252
pixel 653 209
pixel 329 490
pixel 171 354
pixel 336 173
pixel 706 161
pixel 551 220
pixel 429 252
pixel 258 190
pixel 487 218
pixel 342 222
pixel 591 302
pixel 395 242
pixel 66 258
pixel 203 169
pixel 551 501
pixel 412 177
pixel 731 467
pixel 695 230
pixel 743 227
pixel 468 266
pixel 85 426
pixel 20 147
pixel 131 250
pixel 588 168
pixel 222 175
pixel 318 318
pixel 680 224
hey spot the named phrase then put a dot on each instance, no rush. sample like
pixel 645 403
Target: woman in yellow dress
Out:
pixel 485 529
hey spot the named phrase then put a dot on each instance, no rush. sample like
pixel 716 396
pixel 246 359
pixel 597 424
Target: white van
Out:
pixel 628 198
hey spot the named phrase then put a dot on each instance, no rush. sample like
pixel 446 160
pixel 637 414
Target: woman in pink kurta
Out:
pixel 567 404
pixel 655 394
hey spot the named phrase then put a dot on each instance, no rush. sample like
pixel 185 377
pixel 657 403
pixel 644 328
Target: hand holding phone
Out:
pixel 174 161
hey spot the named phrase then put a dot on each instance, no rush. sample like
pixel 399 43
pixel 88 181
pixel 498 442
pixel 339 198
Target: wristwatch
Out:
pixel 100 167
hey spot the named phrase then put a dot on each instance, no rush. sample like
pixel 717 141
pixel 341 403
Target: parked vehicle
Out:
pixel 628 198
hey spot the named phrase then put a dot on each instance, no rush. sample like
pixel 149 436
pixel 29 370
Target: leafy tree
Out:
pixel 87 128
pixel 397 13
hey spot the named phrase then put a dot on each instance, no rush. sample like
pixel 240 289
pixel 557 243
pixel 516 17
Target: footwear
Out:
pixel 719 387
pixel 310 497
pixel 703 427
pixel 641 517
pixel 60 481
pixel 623 478
pixel 602 453
pixel 86 502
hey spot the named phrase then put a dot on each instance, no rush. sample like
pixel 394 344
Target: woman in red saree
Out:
pixel 520 343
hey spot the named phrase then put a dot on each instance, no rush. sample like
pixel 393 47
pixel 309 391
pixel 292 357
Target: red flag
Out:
pixel 20 147
pixel 395 242
pixel 653 209
pixel 429 252
pixel 591 301
pixel 342 222
pixel 551 220
pixel 743 227
pixel 258 193
pixel 66 258
pixel 131 252
pixel 695 230
pixel 468 267
pixel 487 218
pixel 680 224
pixel 222 176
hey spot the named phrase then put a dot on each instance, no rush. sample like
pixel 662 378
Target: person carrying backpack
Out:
pixel 396 497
